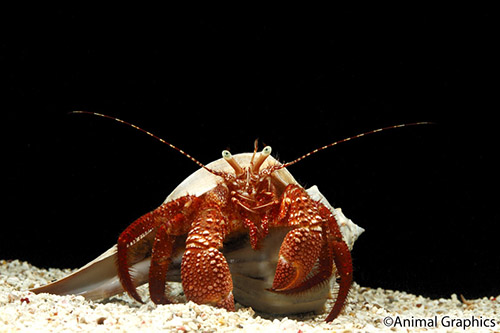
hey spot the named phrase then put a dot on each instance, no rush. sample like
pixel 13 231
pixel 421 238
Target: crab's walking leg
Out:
pixel 343 262
pixel 125 259
pixel 135 242
pixel 205 273
pixel 160 259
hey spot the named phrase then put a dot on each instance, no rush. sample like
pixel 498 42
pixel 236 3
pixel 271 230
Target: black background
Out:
pixel 426 195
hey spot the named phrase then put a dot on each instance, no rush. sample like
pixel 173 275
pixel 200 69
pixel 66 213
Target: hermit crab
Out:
pixel 239 227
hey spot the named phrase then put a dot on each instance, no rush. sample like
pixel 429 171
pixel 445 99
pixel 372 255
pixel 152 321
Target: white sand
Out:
pixel 367 309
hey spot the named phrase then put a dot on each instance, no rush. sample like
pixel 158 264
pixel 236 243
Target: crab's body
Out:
pixel 251 200
pixel 239 227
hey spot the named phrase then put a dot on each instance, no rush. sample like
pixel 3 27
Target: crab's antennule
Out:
pixel 238 170
pixel 285 165
pixel 152 135
pixel 255 147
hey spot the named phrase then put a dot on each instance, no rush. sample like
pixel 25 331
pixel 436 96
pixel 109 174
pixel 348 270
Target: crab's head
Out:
pixel 250 185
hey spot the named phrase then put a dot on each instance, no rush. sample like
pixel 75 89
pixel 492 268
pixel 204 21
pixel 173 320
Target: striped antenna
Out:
pixel 154 136
pixel 350 138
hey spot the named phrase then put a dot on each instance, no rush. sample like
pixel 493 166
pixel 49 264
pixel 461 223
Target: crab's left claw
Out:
pixel 317 240
pixel 302 245
pixel 299 251
pixel 297 258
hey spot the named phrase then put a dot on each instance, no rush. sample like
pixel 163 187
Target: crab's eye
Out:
pixel 226 154
pixel 267 150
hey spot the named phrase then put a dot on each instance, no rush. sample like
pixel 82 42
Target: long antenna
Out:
pixel 151 135
pixel 350 138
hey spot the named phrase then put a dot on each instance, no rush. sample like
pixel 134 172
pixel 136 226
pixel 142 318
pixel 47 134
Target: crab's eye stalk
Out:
pixel 232 162
pixel 267 151
pixel 227 155
pixel 260 159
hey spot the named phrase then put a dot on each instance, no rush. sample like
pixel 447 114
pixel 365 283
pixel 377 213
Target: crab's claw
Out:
pixel 317 239
pixel 293 272
pixel 299 251
pixel 302 245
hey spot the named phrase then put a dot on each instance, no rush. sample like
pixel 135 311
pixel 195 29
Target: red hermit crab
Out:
pixel 241 227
